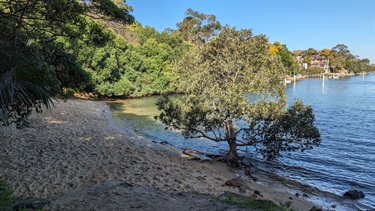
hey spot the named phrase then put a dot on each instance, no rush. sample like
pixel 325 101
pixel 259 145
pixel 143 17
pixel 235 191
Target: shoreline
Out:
pixel 321 198
pixel 78 144
pixel 317 197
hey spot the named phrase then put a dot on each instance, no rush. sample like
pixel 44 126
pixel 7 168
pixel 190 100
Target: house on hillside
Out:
pixel 316 61
pixel 320 61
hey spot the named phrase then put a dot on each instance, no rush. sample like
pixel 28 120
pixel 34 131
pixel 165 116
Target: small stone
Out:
pixel 333 206
pixel 290 198
pixel 298 195
pixel 354 194
pixel 316 209
pixel 136 206
pixel 305 195
pixel 242 190
pixel 257 192
pixel 235 182
pixel 247 172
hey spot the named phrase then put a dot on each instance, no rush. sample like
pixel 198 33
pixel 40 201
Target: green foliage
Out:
pixel 289 61
pixel 314 70
pixel 286 56
pixel 340 58
pixel 307 59
pixel 297 52
pixel 310 52
pixel 291 131
pixel 197 27
pixel 175 42
pixel 217 78
pixel 6 196
pixel 34 42
pixel 118 68
pixel 342 49
pixel 14 93
pixel 337 61
pixel 252 204
pixel 358 65
pixel 34 65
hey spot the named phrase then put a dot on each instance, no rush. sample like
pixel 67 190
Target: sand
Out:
pixel 77 145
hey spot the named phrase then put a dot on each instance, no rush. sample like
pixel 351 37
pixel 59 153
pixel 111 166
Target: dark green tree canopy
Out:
pixel 120 68
pixel 35 64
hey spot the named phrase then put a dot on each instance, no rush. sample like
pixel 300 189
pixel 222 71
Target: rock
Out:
pixel 242 190
pixel 257 192
pixel 333 206
pixel 354 194
pixel 247 172
pixel 235 182
pixel 305 195
pixel 26 204
pixel 195 159
pixel 136 206
pixel 316 209
pixel 297 195
pixel 195 155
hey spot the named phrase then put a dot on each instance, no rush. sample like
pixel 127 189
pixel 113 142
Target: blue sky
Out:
pixel 300 24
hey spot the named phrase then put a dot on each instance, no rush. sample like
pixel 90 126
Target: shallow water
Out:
pixel 345 115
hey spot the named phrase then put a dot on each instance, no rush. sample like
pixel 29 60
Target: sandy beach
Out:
pixel 77 147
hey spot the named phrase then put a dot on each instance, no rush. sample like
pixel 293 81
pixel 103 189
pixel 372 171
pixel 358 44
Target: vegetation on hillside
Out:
pixel 121 68
pixel 287 58
pixel 340 60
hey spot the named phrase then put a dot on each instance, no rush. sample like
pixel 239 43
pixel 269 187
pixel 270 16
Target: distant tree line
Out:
pixel 340 59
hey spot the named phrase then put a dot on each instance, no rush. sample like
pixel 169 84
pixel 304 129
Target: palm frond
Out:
pixel 18 98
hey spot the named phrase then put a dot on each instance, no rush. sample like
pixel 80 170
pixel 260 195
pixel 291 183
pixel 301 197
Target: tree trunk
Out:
pixel 232 156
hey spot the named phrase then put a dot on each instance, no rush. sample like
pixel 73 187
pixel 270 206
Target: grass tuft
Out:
pixel 252 204
pixel 6 196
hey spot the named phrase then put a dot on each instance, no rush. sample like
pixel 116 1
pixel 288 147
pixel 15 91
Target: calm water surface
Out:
pixel 345 115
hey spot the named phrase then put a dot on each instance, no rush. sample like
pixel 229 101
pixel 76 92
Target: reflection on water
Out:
pixel 345 115
pixel 136 114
